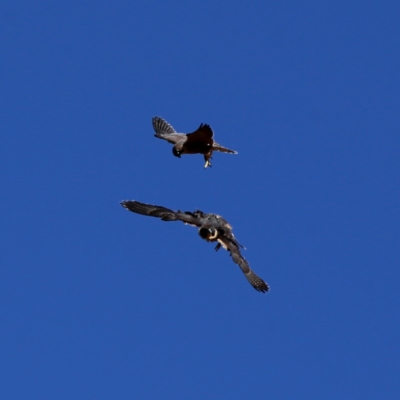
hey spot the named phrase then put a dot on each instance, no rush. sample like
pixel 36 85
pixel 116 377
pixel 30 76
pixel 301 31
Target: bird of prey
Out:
pixel 212 228
pixel 200 141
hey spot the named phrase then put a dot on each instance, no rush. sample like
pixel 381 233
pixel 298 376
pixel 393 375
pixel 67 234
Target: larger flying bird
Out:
pixel 212 228
pixel 200 141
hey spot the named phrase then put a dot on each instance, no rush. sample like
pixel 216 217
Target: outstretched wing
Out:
pixel 165 131
pixel 161 212
pixel 237 258
pixel 203 133
pixel 218 147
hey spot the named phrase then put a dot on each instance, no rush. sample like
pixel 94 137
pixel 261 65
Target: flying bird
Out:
pixel 201 141
pixel 212 228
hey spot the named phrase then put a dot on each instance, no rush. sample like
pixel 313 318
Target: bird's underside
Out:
pixel 211 227
pixel 201 141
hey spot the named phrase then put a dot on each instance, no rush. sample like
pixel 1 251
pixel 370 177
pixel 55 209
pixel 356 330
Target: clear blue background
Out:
pixel 99 303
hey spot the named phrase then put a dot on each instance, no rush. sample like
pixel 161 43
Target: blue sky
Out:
pixel 99 303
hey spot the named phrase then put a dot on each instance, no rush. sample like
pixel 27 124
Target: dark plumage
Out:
pixel 212 228
pixel 201 141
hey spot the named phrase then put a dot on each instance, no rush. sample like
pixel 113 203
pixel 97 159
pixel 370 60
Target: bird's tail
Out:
pixel 218 147
pixel 161 135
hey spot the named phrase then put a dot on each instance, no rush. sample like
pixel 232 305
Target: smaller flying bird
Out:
pixel 200 141
pixel 212 228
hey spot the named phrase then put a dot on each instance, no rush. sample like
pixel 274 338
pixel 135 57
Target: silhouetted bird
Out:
pixel 200 141
pixel 212 228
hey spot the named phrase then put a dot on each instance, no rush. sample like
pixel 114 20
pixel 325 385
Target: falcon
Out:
pixel 201 141
pixel 212 228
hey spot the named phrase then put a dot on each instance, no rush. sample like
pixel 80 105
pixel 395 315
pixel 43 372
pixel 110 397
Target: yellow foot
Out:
pixel 207 164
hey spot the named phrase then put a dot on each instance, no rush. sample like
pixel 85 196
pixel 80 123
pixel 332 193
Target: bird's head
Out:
pixel 177 150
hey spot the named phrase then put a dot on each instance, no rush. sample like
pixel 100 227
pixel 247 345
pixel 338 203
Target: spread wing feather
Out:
pixel 238 259
pixel 161 212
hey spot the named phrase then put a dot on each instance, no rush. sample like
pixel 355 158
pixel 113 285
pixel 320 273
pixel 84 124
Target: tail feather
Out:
pixel 161 126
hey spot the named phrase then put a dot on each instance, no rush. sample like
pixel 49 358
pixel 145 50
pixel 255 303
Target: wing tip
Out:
pixel 259 284
pixel 262 287
pixel 127 203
